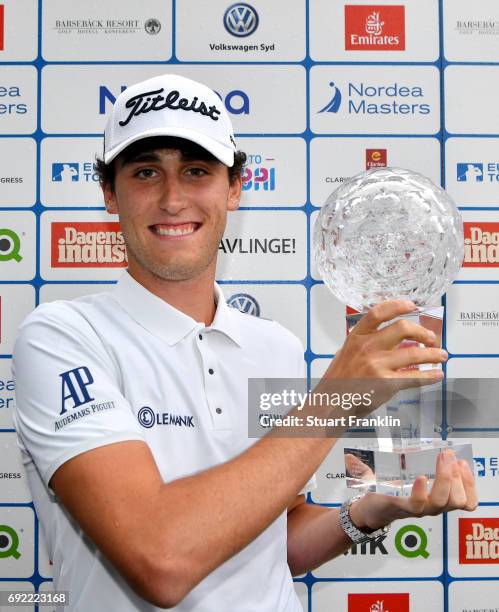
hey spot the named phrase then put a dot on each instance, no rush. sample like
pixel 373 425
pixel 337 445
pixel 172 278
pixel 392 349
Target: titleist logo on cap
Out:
pixel 154 101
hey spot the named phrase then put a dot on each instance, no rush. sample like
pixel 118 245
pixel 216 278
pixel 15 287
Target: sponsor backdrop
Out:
pixel 318 91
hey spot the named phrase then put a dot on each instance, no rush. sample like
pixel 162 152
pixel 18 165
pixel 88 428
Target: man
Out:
pixel 132 404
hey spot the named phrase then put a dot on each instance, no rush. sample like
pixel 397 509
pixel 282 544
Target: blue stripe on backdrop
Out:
pixel 308 283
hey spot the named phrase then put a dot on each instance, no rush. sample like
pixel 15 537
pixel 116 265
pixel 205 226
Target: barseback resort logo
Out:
pixel 118 26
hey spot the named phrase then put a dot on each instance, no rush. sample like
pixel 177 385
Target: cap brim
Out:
pixel 221 151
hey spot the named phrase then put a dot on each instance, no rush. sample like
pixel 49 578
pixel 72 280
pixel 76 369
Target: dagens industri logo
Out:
pixel 87 244
pixel 481 244
pixel 478 540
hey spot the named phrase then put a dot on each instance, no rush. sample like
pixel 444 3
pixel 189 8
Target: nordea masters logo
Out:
pixel 373 99
pixel 348 99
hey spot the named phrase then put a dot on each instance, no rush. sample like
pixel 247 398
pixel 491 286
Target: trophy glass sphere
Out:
pixel 388 233
pixel 391 233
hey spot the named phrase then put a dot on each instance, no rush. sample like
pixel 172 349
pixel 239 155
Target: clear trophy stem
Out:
pixel 408 441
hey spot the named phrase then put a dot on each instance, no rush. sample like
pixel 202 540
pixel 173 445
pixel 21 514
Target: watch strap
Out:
pixel 354 533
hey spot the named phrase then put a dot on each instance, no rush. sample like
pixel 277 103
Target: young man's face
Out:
pixel 172 211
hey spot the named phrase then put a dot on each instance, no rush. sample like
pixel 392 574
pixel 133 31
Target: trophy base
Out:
pixel 392 471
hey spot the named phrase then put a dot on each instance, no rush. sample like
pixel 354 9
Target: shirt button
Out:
pixel 200 336
pixel 211 371
pixel 218 411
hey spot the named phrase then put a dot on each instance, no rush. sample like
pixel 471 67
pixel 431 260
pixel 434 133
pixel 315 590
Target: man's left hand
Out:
pixel 453 489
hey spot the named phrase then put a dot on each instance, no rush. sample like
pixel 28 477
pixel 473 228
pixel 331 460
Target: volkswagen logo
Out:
pixel 146 417
pixel 245 303
pixel 240 19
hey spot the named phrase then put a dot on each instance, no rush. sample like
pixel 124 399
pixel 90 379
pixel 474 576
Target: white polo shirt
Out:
pixel 125 365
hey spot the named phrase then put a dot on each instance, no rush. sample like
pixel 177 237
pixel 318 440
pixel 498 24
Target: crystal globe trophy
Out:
pixel 391 233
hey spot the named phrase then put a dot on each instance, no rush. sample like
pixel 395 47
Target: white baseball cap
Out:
pixel 170 105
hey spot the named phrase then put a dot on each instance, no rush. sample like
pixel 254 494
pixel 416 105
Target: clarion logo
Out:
pixel 374 28
pixel 87 244
pixel 376 158
pixel 478 540
pixel 481 245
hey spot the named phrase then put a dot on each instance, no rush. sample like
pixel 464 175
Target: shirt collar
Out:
pixel 165 321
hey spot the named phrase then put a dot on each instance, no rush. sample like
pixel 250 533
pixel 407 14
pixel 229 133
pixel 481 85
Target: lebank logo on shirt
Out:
pixel 1 26
pixel 244 303
pixel 75 394
pixel 374 28
pixel 148 418
pixel 486 466
pixel 479 540
pixel 365 98
pixel 236 101
pixel 378 602
pixel 87 244
pixel 481 245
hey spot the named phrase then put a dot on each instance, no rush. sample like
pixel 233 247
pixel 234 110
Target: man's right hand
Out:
pixel 370 352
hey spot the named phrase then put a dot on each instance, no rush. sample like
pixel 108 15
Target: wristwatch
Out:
pixel 354 533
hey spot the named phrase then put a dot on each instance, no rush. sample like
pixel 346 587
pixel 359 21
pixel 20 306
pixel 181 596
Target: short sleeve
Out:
pixel 68 398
